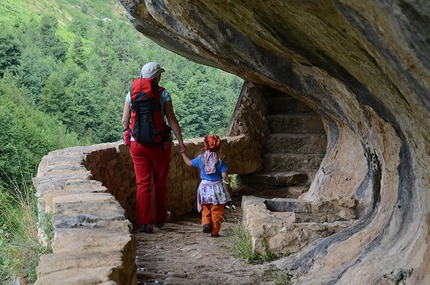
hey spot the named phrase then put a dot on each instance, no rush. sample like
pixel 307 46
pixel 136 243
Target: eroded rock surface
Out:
pixel 364 67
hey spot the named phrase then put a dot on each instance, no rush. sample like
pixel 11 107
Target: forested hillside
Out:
pixel 65 67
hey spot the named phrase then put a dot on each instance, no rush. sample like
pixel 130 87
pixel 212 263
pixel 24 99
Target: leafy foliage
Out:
pixel 26 134
pixel 65 69
pixel 242 247
pixel 10 52
pixel 73 73
pixel 19 240
pixel 79 67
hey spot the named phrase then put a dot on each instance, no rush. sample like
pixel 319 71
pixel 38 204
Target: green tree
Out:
pixel 179 106
pixel 28 33
pixel 112 96
pixel 27 133
pixel 34 71
pixel 214 114
pixel 56 99
pixel 69 72
pixel 111 128
pixel 49 42
pixel 79 26
pixel 191 124
pixel 77 54
pixel 10 53
pixel 88 103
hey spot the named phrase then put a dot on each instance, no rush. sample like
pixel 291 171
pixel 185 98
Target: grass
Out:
pixel 242 248
pixel 19 238
pixel 233 180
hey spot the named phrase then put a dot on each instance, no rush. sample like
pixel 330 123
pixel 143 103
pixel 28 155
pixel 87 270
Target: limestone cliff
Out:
pixel 364 66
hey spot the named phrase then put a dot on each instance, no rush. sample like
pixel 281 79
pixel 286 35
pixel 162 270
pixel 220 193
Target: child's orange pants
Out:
pixel 212 215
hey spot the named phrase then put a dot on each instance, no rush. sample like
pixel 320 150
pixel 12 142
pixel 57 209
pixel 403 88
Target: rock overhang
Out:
pixel 364 67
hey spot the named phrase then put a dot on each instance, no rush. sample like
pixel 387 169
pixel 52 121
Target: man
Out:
pixel 151 162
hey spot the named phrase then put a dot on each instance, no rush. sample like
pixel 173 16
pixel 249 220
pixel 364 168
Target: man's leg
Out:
pixel 142 168
pixel 161 163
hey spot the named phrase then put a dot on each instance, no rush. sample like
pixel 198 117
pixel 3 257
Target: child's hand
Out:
pixel 186 159
pixel 182 148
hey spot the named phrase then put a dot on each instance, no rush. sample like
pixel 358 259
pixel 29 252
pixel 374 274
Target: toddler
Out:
pixel 212 195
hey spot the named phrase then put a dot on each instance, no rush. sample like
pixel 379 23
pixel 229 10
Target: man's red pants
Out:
pixel 150 162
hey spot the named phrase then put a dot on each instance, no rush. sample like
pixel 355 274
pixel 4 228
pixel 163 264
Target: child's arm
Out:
pixel 225 177
pixel 186 159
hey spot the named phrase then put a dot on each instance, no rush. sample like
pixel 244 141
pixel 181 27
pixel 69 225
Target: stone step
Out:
pixel 296 191
pixel 291 161
pixel 295 143
pixel 296 123
pixel 282 104
pixel 291 192
pixel 275 178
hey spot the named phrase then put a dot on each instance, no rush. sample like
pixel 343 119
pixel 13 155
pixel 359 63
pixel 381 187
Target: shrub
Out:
pixel 19 239
pixel 242 247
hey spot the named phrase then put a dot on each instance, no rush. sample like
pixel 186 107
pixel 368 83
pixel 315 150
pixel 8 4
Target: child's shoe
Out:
pixel 207 228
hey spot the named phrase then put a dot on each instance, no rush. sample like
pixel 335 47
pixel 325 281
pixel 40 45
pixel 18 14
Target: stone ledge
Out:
pixel 90 191
pixel 93 240
pixel 103 275
pixel 288 225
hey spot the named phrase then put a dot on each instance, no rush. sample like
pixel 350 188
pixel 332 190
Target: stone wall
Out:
pixel 90 192
pixel 285 226
pixel 93 241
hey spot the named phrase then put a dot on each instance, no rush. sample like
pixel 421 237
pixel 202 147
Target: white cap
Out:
pixel 151 70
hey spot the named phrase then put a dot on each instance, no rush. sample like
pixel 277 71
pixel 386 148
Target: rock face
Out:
pixel 285 226
pixel 364 67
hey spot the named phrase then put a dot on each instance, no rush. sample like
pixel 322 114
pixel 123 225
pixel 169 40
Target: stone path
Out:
pixel 180 253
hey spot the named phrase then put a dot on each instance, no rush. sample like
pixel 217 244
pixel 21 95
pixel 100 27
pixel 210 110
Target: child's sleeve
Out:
pixel 196 162
pixel 224 167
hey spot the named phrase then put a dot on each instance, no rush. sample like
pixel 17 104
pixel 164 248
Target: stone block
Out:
pixel 81 202
pixel 50 263
pixel 292 161
pixel 310 218
pixel 297 123
pixel 288 205
pixel 291 227
pixel 285 217
pixel 275 178
pixel 89 240
pixel 84 276
pixel 295 143
pixel 112 220
pixel 51 194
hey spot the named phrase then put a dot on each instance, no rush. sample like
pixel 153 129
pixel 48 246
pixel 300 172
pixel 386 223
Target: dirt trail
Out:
pixel 180 253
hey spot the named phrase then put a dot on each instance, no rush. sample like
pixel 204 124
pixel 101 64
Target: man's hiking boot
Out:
pixel 146 229
pixel 207 228
pixel 159 225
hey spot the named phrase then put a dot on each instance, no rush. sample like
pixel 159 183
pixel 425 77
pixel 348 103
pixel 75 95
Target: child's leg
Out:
pixel 206 214
pixel 217 212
